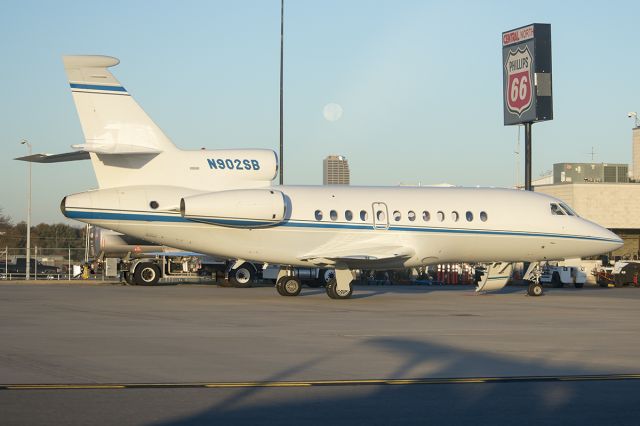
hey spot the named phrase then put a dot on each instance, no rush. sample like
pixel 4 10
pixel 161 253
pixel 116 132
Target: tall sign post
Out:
pixel 527 88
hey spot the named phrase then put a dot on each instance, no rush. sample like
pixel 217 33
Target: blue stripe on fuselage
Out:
pixel 141 217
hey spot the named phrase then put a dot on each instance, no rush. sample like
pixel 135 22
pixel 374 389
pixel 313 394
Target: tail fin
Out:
pixel 112 122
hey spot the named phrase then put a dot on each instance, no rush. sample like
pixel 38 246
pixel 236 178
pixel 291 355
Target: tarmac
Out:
pixel 102 353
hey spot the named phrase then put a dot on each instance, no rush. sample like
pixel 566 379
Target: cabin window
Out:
pixel 426 216
pixel 364 215
pixel 333 215
pixel 469 216
pixel 455 216
pixel 381 216
pixel 397 216
pixel 318 214
pixel 411 215
pixel 154 205
pixel 556 210
pixel 440 216
pixel 483 216
pixel 348 214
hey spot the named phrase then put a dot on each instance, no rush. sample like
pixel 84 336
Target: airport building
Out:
pixel 590 172
pixel 602 193
pixel 335 170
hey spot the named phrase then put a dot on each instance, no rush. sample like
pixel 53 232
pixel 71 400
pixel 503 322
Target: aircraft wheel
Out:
pixel 242 276
pixel 535 289
pixel 289 286
pixel 147 274
pixel 334 293
pixel 579 285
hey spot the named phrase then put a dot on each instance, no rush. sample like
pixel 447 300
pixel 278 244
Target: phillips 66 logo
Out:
pixel 519 84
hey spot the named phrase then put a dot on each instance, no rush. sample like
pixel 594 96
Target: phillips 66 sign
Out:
pixel 526 60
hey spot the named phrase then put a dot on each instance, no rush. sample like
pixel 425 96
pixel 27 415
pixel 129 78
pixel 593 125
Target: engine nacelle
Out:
pixel 240 208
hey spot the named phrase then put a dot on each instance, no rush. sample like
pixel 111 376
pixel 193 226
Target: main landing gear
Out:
pixel 288 286
pixel 338 287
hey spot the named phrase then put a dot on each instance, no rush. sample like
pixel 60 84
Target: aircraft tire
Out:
pixel 579 285
pixel 147 274
pixel 333 293
pixel 289 286
pixel 535 289
pixel 242 276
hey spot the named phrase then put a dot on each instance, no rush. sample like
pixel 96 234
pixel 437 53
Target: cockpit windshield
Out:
pixel 562 209
pixel 568 209
pixel 557 210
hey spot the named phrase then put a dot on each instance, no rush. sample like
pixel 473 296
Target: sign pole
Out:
pixel 527 156
pixel 527 84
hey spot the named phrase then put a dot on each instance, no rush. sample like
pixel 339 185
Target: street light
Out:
pixel 634 115
pixel 28 263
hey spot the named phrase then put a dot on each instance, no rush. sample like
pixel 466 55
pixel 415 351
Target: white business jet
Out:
pixel 223 203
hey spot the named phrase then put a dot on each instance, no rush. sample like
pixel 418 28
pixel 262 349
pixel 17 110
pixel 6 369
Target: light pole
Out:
pixel 281 92
pixel 634 115
pixel 28 262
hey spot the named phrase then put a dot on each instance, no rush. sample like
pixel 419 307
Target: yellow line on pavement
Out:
pixel 309 383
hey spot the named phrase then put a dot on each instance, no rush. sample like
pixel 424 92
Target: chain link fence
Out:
pixel 46 264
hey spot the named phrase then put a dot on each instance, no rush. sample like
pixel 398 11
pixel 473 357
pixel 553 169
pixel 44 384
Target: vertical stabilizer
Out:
pixel 112 121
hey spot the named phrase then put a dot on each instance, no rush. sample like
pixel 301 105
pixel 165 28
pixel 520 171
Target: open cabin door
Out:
pixel 380 215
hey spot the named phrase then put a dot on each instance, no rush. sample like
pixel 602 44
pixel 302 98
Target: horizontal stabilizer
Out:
pixel 100 148
pixel 55 158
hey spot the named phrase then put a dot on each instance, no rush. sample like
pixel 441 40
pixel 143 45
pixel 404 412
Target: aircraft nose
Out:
pixel 612 241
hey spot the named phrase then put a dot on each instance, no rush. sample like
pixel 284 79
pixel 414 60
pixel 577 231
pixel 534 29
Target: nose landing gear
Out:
pixel 535 289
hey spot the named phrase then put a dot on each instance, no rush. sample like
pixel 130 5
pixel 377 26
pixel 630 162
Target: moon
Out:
pixel 332 112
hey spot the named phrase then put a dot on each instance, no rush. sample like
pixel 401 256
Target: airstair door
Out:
pixel 380 216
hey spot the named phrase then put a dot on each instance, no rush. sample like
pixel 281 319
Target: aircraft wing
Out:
pixel 362 257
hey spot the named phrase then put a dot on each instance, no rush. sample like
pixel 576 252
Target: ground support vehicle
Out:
pixel 626 272
pixel 559 276
pixel 168 268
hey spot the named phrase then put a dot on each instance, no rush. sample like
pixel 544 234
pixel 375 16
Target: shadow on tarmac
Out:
pixel 529 402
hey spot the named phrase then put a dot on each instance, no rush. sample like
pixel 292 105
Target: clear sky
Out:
pixel 419 82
